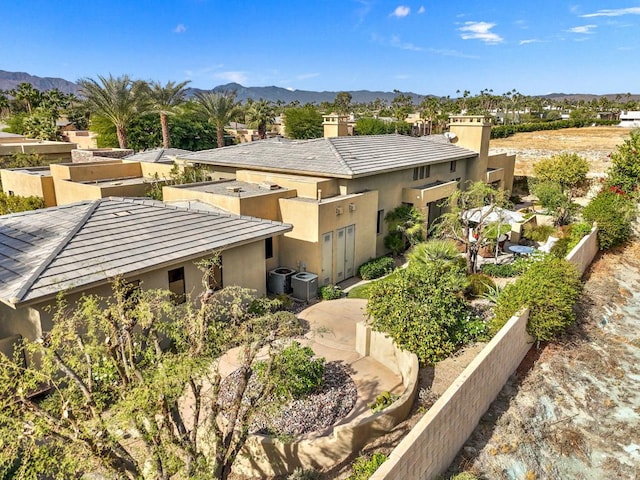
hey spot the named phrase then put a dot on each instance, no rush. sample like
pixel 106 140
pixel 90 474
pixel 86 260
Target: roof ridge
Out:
pixel 54 253
pixel 338 156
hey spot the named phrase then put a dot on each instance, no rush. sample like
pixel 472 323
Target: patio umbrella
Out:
pixel 489 214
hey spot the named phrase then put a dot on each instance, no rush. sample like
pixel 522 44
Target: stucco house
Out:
pixel 79 248
pixel 336 190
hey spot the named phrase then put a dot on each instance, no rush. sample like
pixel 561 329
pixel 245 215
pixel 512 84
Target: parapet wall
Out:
pixel 98 154
pixel 585 251
pixel 265 456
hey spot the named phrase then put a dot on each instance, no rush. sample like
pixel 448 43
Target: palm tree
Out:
pixel 165 100
pixel 260 114
pixel 117 99
pixel 220 109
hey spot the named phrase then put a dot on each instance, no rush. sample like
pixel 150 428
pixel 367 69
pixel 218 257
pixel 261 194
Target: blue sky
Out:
pixel 423 46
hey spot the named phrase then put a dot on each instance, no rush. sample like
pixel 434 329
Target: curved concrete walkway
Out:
pixel 332 335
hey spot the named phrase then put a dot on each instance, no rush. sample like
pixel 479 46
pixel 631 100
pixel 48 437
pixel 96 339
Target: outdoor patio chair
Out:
pixel 548 245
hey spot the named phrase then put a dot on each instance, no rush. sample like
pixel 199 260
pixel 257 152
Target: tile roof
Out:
pixel 157 155
pixel 343 157
pixel 61 248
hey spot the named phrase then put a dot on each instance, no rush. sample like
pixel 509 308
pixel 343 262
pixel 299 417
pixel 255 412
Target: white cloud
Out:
pixel 480 31
pixel 291 89
pixel 397 43
pixel 421 10
pixel 401 11
pixel 236 77
pixel 180 28
pixel 305 76
pixel 530 40
pixel 450 53
pixel 583 29
pixel 618 12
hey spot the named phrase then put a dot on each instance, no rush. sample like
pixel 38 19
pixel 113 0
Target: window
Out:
pixel 268 247
pixel 452 166
pixel 421 172
pixel 214 278
pixel 415 173
pixel 379 222
pixel 177 286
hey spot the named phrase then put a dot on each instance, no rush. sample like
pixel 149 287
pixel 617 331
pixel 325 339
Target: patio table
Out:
pixel 519 250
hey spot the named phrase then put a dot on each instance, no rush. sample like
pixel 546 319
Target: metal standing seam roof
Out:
pixel 61 248
pixel 343 157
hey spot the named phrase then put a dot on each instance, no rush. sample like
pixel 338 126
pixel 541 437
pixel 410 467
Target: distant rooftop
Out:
pixel 157 155
pixel 233 188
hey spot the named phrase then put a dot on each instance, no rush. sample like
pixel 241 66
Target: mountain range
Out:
pixel 10 80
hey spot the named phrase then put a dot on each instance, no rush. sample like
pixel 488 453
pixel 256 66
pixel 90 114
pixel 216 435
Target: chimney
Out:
pixel 473 132
pixel 335 125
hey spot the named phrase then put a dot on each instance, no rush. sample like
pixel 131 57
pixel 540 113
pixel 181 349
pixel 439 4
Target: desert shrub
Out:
pixel 624 172
pixel 295 372
pixel 572 237
pixel 17 203
pixel 376 268
pixel 364 467
pixel 264 305
pixel 550 288
pixel 550 195
pixel 538 233
pixel 499 270
pixel 302 474
pixel 422 308
pixel 394 242
pixel 464 476
pixel 479 284
pixel 330 292
pixel 614 213
pixel 382 401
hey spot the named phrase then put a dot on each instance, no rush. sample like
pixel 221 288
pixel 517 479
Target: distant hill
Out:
pixel 10 80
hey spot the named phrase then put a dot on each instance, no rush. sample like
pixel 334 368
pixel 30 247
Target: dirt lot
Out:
pixel 572 411
pixel 593 143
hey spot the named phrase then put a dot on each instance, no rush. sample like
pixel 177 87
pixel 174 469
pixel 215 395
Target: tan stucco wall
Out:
pixel 474 133
pixel 82 138
pixel 430 447
pixel 266 456
pixel 48 150
pixel 27 185
pixel 245 266
pixel 83 172
pixel 506 162
pixel 307 187
pixel 149 169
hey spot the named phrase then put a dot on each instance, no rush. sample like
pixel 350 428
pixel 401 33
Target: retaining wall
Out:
pixel 585 251
pixel 265 456
pixel 433 443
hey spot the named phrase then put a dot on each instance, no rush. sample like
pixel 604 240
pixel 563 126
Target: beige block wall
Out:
pixel 266 456
pixel 585 251
pixel 27 185
pixel 149 169
pixel 48 150
pixel 430 447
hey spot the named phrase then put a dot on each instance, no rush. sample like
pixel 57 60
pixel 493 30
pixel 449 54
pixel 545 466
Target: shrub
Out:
pixel 363 467
pixel 625 164
pixel 434 250
pixel 423 310
pixel 464 476
pixel 330 292
pixel 295 371
pixel 538 233
pixel 395 243
pixel 550 195
pixel 382 401
pixel 499 270
pixel 302 474
pixel 614 214
pixel 480 284
pixel 376 268
pixel 550 288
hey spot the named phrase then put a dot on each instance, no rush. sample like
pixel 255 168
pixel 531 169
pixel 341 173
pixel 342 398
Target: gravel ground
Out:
pixel 319 410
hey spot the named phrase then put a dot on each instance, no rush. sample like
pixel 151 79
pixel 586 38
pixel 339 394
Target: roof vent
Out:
pixel 270 186
pixel 233 188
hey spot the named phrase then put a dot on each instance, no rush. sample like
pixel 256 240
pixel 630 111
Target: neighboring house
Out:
pixel 157 155
pixel 84 139
pixel 630 119
pixel 78 249
pixel 53 151
pixel 64 183
pixel 335 191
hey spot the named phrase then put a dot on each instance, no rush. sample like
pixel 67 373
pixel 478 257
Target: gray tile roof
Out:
pixel 61 248
pixel 343 157
pixel 157 155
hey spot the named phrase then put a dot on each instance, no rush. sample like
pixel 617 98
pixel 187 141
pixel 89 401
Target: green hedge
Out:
pixel 503 131
pixel 376 268
pixel 613 212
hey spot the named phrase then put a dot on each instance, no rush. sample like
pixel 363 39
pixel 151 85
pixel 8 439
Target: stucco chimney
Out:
pixel 473 132
pixel 335 125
